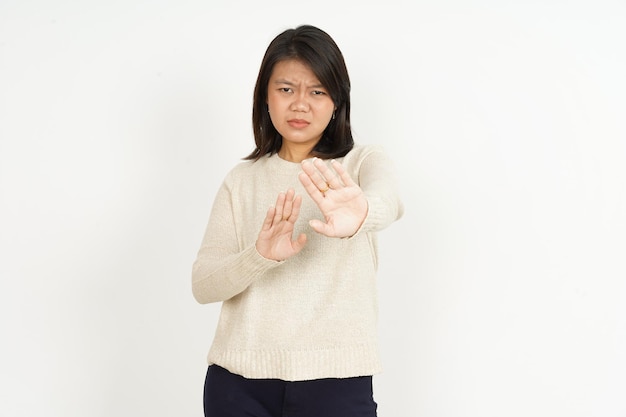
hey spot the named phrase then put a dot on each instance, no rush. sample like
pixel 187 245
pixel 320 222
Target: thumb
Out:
pixel 321 227
pixel 299 243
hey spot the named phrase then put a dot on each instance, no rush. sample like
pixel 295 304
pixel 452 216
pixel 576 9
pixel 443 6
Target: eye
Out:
pixel 319 93
pixel 285 90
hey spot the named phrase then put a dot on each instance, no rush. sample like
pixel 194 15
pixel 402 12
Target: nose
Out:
pixel 300 102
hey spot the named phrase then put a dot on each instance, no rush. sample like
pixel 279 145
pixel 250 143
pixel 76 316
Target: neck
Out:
pixel 295 153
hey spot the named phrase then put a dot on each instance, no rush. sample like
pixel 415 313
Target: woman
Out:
pixel 297 331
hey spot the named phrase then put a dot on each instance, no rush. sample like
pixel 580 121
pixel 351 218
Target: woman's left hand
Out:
pixel 340 199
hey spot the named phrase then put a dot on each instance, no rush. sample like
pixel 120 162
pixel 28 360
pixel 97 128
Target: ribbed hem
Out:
pixel 302 365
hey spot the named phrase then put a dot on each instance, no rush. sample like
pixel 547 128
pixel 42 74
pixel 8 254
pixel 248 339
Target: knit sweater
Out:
pixel 313 315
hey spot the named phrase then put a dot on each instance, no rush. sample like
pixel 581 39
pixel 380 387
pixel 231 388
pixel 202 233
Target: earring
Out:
pixel 333 114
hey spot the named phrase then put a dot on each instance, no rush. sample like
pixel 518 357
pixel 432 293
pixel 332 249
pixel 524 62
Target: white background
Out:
pixel 502 290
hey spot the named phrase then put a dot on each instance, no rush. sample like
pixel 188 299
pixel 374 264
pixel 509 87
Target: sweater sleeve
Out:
pixel 222 268
pixel 376 177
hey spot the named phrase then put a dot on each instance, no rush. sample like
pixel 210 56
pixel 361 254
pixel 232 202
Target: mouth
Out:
pixel 298 123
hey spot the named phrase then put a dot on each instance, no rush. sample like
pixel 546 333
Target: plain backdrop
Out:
pixel 502 290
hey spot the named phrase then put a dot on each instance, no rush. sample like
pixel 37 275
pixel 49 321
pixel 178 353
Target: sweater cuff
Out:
pixel 377 216
pixel 251 265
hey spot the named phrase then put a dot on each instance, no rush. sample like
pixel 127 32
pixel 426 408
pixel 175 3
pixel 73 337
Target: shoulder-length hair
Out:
pixel 316 49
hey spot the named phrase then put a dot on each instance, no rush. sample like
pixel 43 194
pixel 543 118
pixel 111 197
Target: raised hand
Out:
pixel 275 238
pixel 340 199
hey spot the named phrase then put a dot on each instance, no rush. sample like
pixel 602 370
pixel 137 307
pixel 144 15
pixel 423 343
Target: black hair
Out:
pixel 318 51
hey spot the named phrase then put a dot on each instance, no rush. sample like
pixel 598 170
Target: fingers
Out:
pixel 287 208
pixel 275 240
pixel 342 173
pixel 316 195
pixel 267 223
pixel 313 181
pixel 330 176
pixel 321 175
pixel 278 208
pixel 295 210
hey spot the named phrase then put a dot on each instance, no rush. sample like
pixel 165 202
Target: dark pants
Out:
pixel 230 395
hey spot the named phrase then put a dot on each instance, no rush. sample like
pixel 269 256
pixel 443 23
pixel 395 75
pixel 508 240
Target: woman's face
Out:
pixel 299 105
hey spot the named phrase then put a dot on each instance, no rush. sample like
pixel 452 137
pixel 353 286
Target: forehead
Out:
pixel 293 70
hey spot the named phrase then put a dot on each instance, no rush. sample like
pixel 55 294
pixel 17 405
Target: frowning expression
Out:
pixel 299 105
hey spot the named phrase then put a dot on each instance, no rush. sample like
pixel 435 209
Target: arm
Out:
pixel 378 181
pixel 222 270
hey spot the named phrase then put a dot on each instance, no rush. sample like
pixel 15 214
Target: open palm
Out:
pixel 275 240
pixel 339 198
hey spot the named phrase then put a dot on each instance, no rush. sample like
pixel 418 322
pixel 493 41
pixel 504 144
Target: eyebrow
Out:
pixel 283 81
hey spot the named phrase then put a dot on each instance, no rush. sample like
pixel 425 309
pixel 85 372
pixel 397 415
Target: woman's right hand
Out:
pixel 275 238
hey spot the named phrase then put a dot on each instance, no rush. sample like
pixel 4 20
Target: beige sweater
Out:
pixel 313 315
